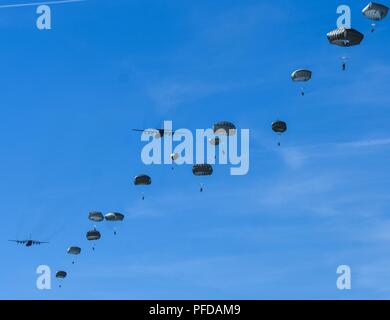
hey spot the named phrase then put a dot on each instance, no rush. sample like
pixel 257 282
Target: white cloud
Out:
pixel 169 94
pixel 297 157
pixel 366 143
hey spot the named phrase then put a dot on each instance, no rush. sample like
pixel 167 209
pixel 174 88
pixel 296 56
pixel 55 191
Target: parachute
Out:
pixel 142 180
pixel 114 217
pixel 202 170
pixel 93 235
pixel 225 128
pixel 74 251
pixel 301 75
pixel 60 275
pixel 375 12
pixel 174 157
pixel 279 127
pixel 96 216
pixel 343 37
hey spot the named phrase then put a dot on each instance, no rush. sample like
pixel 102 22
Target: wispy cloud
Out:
pixel 297 157
pixel 217 272
pixel 170 94
pixel 373 277
pixel 294 157
pixel 242 20
pixel 365 143
pixel 304 194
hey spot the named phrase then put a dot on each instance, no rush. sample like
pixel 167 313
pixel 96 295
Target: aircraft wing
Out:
pixel 39 242
pixel 18 241
pixel 147 131
pixel 154 131
pixel 179 132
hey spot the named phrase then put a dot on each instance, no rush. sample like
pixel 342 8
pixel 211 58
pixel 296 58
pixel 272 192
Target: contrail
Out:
pixel 19 5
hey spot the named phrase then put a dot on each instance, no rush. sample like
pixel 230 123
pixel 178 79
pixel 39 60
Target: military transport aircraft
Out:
pixel 158 133
pixel 28 243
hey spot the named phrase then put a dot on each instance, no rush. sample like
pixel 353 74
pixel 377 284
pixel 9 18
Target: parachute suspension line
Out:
pixel 279 127
pixel 142 180
pixel 93 244
pixel 301 76
pixel 222 150
pixel 344 60
pixel 202 170
pixel 174 157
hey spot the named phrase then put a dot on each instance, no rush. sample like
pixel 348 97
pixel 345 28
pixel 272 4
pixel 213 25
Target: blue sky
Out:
pixel 70 96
